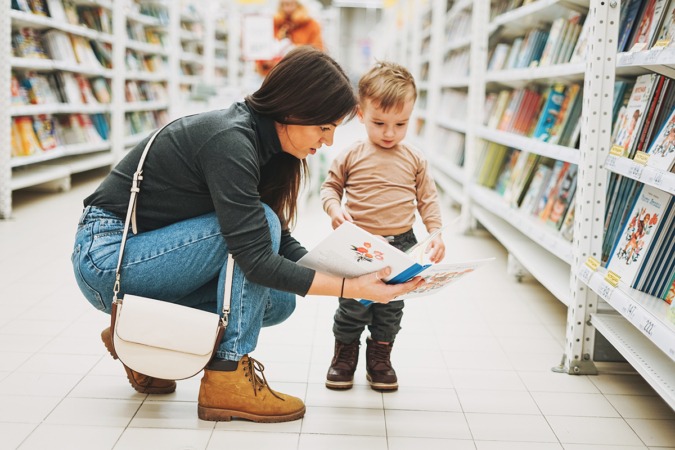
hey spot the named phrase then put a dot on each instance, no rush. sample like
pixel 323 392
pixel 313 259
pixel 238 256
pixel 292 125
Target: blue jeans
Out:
pixel 182 263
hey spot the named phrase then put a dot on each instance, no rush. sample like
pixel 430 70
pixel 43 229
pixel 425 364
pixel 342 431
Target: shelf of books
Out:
pixel 59 92
pixel 556 187
pixel 88 79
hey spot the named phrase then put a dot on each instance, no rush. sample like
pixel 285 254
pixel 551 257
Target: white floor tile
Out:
pixel 501 445
pixel 573 404
pixel 351 421
pixel 181 415
pixel 654 432
pixel 593 430
pixel 497 402
pixel 340 442
pixel 641 407
pixel 406 443
pixel 149 438
pixel 72 437
pixel 422 399
pixel 93 412
pixel 13 434
pixel 427 424
pixel 515 428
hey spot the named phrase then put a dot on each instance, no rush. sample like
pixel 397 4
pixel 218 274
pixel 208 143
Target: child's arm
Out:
pixel 332 190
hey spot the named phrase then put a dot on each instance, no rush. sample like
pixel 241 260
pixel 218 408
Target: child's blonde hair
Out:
pixel 388 85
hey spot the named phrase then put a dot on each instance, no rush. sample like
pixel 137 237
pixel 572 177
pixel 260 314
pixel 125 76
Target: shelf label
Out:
pixel 605 291
pixel 663 43
pixel 592 263
pixel 617 150
pixel 630 310
pixel 635 171
pixel 641 158
pixel 612 278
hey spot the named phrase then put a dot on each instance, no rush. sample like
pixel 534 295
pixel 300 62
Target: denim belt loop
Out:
pixel 85 211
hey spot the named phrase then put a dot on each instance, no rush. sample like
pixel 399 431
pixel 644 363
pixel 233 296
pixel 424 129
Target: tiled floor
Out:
pixel 473 363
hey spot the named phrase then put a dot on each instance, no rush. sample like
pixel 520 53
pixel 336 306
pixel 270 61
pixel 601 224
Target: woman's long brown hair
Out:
pixel 307 87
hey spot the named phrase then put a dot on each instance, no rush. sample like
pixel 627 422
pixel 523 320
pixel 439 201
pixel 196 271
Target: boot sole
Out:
pixel 226 415
pixel 339 385
pixel 381 386
pixel 130 376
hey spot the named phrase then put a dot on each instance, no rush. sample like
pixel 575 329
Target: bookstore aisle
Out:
pixel 474 364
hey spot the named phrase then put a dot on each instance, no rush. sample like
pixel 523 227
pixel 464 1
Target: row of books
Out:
pixel 142 62
pixel 550 115
pixel 503 6
pixel 646 24
pixel 643 253
pixel 456 64
pixel 150 35
pixel 60 46
pixel 141 91
pixel 458 27
pixel 91 16
pixel 645 122
pixel 544 46
pixel 32 88
pixel 538 186
pixel 137 122
pixel 33 135
pixel 451 144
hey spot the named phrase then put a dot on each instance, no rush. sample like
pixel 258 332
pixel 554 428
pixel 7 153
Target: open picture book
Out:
pixel 350 251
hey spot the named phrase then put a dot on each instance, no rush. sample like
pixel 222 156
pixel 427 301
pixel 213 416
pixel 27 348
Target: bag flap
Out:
pixel 166 325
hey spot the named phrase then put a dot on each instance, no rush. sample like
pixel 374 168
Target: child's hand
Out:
pixel 436 249
pixel 338 216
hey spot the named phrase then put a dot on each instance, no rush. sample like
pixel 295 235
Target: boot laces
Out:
pixel 380 354
pixel 257 381
pixel 346 353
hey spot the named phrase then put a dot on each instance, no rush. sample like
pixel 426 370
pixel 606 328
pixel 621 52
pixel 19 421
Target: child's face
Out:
pixel 385 129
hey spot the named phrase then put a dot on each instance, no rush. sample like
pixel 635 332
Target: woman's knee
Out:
pixel 274 226
pixel 279 308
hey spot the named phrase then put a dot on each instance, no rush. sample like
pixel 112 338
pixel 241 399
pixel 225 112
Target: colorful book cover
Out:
pixel 662 151
pixel 627 23
pixel 667 31
pixel 567 227
pixel 630 124
pixel 650 21
pixel 638 232
pixel 536 188
pixel 563 198
pixel 550 112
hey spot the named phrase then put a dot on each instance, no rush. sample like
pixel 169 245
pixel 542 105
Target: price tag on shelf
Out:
pixel 630 310
pixel 586 270
pixel 635 170
pixel 648 327
pixel 610 162
pixel 663 43
pixel 617 150
pixel 605 291
pixel 641 158
pixel 612 278
pixel 652 56
pixel 657 180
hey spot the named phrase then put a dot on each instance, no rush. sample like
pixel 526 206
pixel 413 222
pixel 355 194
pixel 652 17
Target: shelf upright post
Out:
pixel 5 119
pixel 480 18
pixel 435 64
pixel 596 130
pixel 233 44
pixel 119 18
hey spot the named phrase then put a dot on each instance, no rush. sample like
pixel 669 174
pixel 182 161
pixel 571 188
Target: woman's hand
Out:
pixel 372 287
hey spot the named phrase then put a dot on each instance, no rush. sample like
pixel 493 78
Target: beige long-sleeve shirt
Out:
pixel 383 187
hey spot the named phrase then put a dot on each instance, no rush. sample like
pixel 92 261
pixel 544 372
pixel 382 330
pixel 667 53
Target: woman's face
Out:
pixel 304 140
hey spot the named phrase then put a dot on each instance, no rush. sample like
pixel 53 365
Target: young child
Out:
pixel 384 181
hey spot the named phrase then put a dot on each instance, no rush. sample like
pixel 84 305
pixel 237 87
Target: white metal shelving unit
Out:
pixel 634 323
pixel 216 60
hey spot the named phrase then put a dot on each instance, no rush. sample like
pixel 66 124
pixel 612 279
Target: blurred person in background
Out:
pixel 293 26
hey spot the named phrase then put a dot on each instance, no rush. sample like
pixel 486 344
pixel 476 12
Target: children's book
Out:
pixel 662 151
pixel 350 251
pixel 638 232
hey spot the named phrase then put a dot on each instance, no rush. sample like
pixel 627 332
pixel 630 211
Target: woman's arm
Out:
pixel 368 287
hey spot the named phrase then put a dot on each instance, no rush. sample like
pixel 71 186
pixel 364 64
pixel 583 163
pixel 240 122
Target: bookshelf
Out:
pixel 123 53
pixel 635 323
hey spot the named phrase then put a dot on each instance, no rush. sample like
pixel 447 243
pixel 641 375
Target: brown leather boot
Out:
pixel 245 394
pixel 142 383
pixel 341 371
pixel 381 375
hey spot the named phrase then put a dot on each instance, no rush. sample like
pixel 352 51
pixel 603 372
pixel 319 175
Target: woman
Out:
pixel 222 182
pixel 293 22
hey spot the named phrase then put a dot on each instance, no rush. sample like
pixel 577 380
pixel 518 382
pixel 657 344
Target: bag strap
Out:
pixel 131 220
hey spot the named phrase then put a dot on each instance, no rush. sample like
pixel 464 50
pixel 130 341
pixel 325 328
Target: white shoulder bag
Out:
pixel 158 338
